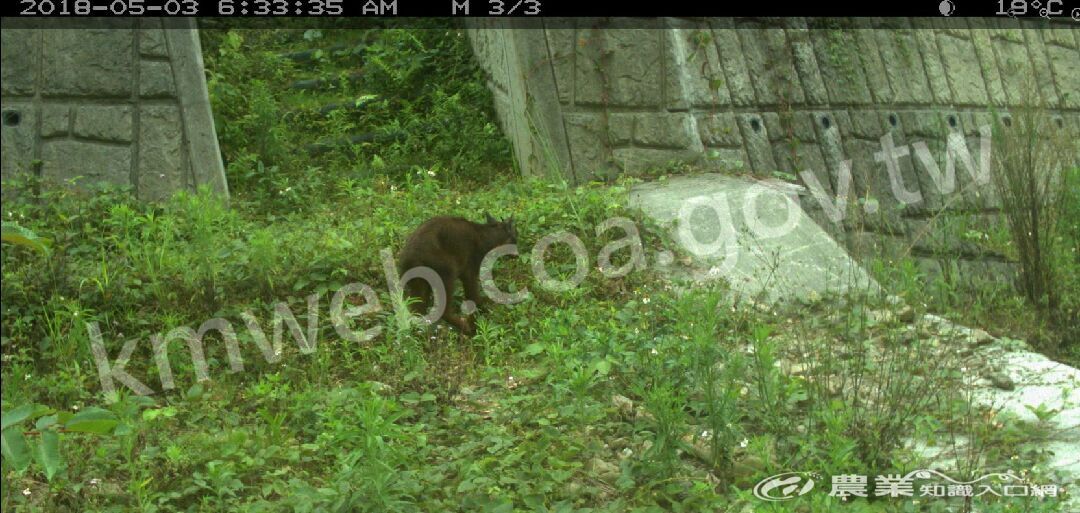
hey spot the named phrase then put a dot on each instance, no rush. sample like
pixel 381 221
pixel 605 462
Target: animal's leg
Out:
pixel 450 314
pixel 471 282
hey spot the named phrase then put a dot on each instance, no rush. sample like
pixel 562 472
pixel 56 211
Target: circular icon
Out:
pixel 1036 4
pixel 946 7
pixel 782 487
pixel 1076 14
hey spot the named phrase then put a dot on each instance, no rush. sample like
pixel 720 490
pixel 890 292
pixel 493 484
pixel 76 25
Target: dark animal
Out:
pixel 453 247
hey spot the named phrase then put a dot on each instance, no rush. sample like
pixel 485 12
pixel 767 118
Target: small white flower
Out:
pixel 714 271
pixel 431 172
pixel 26 492
pixel 654 352
pixel 95 481
pixel 744 443
pixel 26 377
pixel 645 300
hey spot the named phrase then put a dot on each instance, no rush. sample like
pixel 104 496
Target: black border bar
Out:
pixel 1066 11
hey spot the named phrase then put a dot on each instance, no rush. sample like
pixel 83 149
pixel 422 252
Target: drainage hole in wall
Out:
pixel 755 125
pixel 893 121
pixel 1007 121
pixel 12 118
pixel 825 122
pixel 952 121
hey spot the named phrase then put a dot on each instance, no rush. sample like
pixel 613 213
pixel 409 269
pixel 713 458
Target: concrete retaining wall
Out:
pixel 125 104
pixel 589 99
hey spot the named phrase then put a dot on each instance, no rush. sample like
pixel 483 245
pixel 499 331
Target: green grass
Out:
pixel 519 418
pixel 508 414
pixel 617 395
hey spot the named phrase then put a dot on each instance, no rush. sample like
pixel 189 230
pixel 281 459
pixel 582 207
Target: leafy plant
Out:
pixel 15 234
pixel 50 425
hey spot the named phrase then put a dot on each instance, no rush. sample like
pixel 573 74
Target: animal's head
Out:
pixel 501 232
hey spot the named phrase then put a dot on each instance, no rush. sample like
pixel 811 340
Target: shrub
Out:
pixel 1034 174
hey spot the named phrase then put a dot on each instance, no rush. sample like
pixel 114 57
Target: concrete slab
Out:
pixel 1033 383
pixel 752 234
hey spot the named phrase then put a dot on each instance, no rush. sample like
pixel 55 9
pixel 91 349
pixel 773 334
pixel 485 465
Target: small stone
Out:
pixel 603 470
pixel 979 337
pixel 623 404
pixel 573 488
pixel 1000 380
pixel 878 317
pixel 381 388
pixel 905 313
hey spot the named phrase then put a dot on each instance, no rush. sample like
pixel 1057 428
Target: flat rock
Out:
pixel 753 234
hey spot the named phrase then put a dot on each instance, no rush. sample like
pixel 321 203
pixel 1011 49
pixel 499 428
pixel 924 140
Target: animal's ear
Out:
pixel 489 219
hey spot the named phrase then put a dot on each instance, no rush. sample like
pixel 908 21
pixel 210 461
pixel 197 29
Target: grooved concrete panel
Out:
pixel 780 95
pixel 123 103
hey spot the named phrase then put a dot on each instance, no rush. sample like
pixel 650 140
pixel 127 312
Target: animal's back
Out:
pixel 439 242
